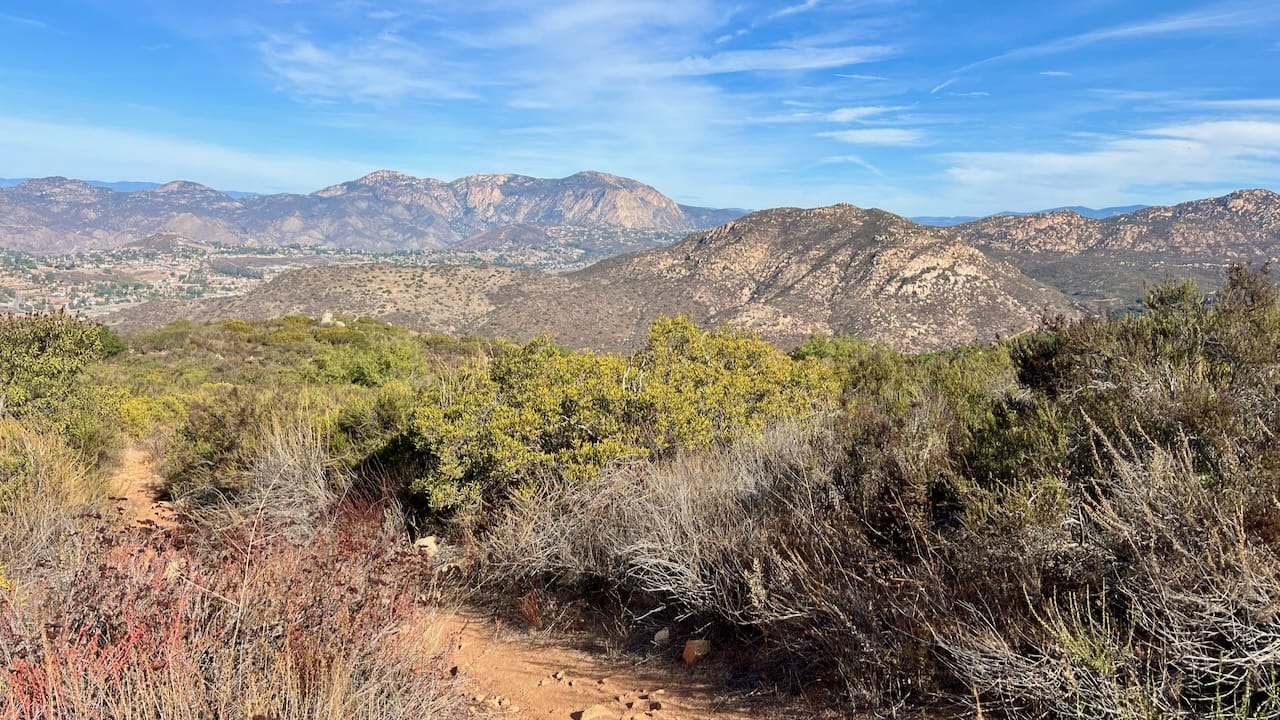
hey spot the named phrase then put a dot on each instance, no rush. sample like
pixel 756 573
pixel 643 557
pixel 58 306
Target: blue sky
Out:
pixel 916 106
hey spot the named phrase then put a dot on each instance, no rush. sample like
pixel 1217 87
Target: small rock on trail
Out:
pixel 540 681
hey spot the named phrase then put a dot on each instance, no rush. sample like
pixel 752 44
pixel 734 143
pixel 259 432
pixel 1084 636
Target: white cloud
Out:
pixel 898 137
pixel 1222 16
pixel 942 86
pixel 857 114
pixel 805 6
pixel 1214 155
pixel 1259 104
pixel 727 37
pixel 1237 135
pixel 769 60
pixel 851 160
pixel 384 69
pixel 1055 73
pixel 25 21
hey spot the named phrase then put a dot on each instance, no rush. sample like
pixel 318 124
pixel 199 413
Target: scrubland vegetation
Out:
pixel 1079 522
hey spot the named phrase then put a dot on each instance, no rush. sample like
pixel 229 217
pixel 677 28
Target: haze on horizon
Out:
pixel 922 107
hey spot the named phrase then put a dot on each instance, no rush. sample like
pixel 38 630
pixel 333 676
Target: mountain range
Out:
pixel 785 273
pixel 384 211
pixel 1109 262
pixel 1097 213
pixel 122 186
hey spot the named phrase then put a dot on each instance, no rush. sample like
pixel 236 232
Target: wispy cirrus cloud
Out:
pixel 858 114
pixel 856 160
pixel 805 6
pixel 1212 155
pixel 1244 104
pixel 772 60
pixel 24 21
pixel 943 86
pixel 1217 17
pixel 894 137
pixel 383 69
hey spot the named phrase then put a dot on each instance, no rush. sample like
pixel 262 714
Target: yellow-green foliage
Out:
pixel 537 409
pixel 15 471
pixel 40 355
pixel 43 488
pixel 359 360
pixel 208 389
pixel 42 361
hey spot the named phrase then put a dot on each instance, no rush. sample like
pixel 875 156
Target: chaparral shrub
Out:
pixel 536 409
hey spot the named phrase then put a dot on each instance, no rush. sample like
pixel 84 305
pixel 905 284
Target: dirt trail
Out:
pixel 506 673
pixel 136 487
pixel 513 675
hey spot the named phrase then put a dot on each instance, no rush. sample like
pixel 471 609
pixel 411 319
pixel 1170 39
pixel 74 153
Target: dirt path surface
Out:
pixel 136 488
pixel 520 676
pixel 508 673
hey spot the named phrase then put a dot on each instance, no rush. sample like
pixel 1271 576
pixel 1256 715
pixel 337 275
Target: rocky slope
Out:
pixel 1236 225
pixel 785 273
pixel 1110 261
pixel 554 247
pixel 384 211
pixel 789 273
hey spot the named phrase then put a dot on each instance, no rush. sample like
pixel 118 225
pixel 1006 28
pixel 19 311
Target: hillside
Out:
pixel 1237 225
pixel 384 211
pixel 790 273
pixel 554 247
pixel 453 299
pixel 785 273
pixel 1110 260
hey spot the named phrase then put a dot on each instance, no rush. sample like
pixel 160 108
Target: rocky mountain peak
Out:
pixel 183 186
pixel 1109 261
pixel 59 189
pixel 604 178
pixel 383 211
pixel 187 189
pixel 1251 200
pixel 378 180
pixel 386 177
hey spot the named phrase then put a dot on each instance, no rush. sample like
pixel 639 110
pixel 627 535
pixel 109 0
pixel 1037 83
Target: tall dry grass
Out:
pixel 46 497
pixel 289 600
pixel 1183 620
pixel 1151 595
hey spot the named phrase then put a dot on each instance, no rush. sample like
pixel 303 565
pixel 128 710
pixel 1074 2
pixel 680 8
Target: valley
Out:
pixel 588 470
pixel 644 360
pixel 592 259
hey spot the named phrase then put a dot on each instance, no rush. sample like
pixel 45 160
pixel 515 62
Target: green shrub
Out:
pixel 1190 366
pixel 40 356
pixel 359 361
pixel 216 443
pixel 236 326
pixel 536 409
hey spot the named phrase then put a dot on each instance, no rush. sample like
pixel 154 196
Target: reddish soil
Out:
pixel 521 675
pixel 508 673
pixel 136 489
